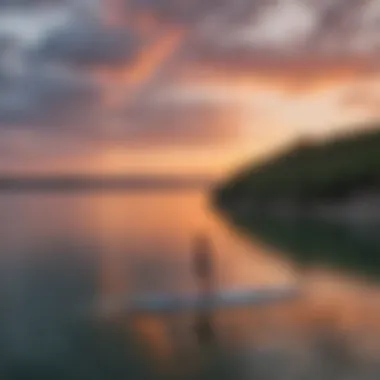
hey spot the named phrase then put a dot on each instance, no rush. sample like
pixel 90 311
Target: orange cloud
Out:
pixel 123 81
pixel 296 77
pixel 153 57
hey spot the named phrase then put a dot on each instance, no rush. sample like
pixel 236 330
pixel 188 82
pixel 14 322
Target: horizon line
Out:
pixel 75 181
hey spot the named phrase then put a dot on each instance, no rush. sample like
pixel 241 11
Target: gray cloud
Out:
pixel 90 45
pixel 177 10
pixel 252 32
pixel 40 84
pixel 27 3
pixel 43 97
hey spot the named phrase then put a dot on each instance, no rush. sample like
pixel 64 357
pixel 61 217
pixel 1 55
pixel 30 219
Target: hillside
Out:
pixel 311 172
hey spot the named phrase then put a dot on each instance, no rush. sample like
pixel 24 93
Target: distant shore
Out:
pixel 99 183
pixel 336 180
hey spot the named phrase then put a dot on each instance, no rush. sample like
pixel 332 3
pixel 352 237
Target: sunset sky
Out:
pixel 179 86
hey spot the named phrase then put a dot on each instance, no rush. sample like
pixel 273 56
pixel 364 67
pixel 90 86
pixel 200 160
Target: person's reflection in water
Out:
pixel 204 329
pixel 203 268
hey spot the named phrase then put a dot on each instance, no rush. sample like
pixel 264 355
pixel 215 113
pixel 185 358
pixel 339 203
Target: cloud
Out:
pixel 43 97
pixel 173 125
pixel 27 3
pixel 289 35
pixel 280 26
pixel 35 92
pixel 42 45
pixel 182 11
pixel 90 45
pixel 29 25
pixel 50 51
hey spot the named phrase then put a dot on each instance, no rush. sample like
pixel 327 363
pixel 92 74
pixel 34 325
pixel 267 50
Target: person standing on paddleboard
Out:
pixel 203 270
pixel 203 263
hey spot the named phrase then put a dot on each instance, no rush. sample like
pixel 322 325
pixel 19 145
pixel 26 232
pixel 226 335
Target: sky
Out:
pixel 180 86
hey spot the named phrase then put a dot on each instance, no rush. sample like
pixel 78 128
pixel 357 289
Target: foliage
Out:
pixel 312 170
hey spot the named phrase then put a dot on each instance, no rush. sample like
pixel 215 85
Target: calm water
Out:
pixel 61 253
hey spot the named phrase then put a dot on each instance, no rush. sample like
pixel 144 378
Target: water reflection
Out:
pixel 308 242
pixel 60 253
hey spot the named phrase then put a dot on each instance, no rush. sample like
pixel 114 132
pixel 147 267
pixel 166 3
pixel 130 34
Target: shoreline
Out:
pixel 360 209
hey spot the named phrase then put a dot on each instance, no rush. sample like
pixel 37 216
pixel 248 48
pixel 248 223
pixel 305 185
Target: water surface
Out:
pixel 60 252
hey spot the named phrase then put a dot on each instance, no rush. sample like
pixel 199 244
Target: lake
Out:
pixel 61 253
